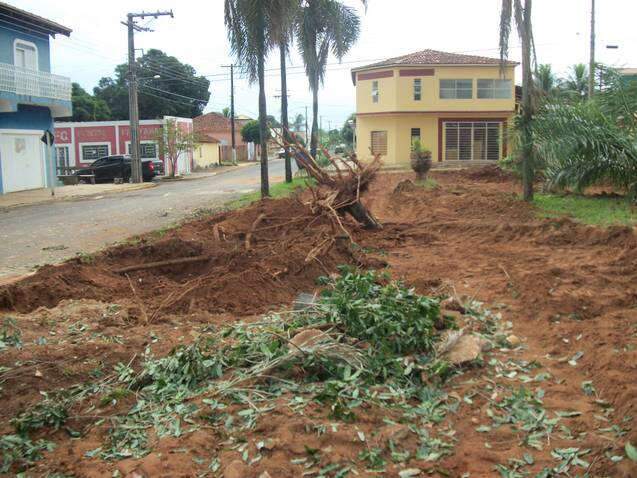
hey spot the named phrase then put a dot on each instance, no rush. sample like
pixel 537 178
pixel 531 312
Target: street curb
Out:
pixel 209 175
pixel 78 198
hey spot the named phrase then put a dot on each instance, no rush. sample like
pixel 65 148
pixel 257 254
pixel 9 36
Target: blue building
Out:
pixel 30 98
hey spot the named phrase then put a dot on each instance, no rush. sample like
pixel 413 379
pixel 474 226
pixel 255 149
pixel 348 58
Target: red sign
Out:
pixel 63 135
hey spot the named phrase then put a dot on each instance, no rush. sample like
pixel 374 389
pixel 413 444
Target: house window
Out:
pixel 92 152
pixel 379 143
pixel 25 55
pixel 375 94
pixel 456 89
pixel 62 157
pixel 473 140
pixel 495 89
pixel 415 136
pixel 146 150
pixel 417 89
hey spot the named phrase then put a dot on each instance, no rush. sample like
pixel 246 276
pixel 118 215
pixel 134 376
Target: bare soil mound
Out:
pixel 569 291
pixel 257 257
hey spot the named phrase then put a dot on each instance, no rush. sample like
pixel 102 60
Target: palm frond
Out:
pixel 506 16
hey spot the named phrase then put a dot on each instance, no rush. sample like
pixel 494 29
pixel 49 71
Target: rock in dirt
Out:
pixel 265 474
pixel 236 469
pixel 513 340
pixel 306 339
pixel 465 349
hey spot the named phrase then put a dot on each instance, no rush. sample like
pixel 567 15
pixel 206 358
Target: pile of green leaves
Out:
pixel 21 451
pixel 10 334
pixel 385 314
pixel 388 327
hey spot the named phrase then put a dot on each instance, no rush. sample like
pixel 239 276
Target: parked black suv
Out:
pixel 108 168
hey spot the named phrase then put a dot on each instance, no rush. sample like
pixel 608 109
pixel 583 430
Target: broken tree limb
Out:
pixel 168 262
pixel 344 185
pixel 255 224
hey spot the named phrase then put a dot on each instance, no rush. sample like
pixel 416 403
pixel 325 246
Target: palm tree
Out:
pixel 515 12
pixel 545 80
pixel 323 27
pixel 247 22
pixel 577 82
pixel 282 30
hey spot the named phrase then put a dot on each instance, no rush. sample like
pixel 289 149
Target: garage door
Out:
pixel 22 159
pixel 473 140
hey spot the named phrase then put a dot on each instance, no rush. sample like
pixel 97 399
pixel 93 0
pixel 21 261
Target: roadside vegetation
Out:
pixel 593 210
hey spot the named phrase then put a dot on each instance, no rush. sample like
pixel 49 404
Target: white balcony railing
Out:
pixel 23 81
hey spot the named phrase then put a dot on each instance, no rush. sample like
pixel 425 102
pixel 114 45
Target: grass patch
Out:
pixel 597 211
pixel 278 190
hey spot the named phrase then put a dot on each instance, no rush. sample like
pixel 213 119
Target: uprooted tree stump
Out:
pixel 338 191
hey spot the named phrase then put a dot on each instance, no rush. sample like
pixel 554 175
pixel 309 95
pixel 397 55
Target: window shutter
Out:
pixel 379 142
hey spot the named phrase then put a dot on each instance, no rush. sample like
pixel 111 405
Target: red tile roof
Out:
pixel 207 138
pixel 216 122
pixel 433 57
pixel 211 122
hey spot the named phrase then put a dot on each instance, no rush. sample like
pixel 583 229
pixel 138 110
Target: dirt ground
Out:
pixel 569 290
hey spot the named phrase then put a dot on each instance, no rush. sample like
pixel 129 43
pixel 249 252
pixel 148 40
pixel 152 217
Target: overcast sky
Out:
pixel 389 28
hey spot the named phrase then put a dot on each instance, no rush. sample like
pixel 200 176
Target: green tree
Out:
pixel 347 131
pixel 323 27
pixel 173 142
pixel 545 80
pixel 167 87
pixel 251 132
pixel 273 122
pixel 226 112
pixel 591 142
pixel 299 123
pixel 86 107
pixel 519 12
pixel 576 84
pixel 247 22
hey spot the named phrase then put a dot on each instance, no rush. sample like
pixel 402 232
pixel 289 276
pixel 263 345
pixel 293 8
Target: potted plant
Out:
pixel 420 160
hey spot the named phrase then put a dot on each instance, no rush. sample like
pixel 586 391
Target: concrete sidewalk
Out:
pixel 66 193
pixel 81 191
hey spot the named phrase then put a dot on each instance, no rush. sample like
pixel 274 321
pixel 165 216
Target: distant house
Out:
pixel 78 144
pixel 30 97
pixel 219 126
pixel 629 74
pixel 458 106
pixel 208 151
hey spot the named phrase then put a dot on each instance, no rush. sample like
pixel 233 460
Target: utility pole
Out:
pixel 591 66
pixel 284 129
pixel 133 105
pixel 306 137
pixel 234 142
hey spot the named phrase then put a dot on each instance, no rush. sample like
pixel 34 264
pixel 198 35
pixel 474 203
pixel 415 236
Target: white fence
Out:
pixel 23 81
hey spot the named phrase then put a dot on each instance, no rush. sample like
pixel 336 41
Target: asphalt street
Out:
pixel 49 233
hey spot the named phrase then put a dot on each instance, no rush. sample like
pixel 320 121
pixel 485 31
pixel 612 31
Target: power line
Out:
pixel 176 94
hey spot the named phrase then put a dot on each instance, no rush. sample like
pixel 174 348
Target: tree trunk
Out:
pixel 527 107
pixel 363 216
pixel 315 131
pixel 284 112
pixel 263 129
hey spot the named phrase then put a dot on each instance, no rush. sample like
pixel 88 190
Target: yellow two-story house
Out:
pixel 458 106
